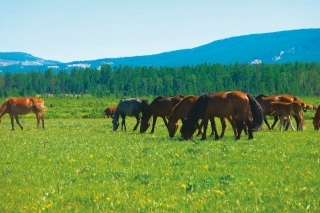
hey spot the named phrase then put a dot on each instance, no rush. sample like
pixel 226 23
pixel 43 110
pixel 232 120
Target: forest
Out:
pixel 299 78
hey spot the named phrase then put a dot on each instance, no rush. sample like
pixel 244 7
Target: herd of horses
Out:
pixel 243 111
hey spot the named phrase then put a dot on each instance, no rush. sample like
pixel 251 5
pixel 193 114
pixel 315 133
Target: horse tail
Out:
pixel 257 113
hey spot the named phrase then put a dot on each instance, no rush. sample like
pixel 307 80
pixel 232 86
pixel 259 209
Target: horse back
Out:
pixel 182 108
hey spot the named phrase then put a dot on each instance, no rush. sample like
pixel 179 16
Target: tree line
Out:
pixel 301 79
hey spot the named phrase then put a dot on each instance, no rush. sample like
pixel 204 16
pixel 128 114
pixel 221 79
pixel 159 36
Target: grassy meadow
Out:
pixel 78 164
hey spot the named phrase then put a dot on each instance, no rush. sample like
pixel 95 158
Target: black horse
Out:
pixel 130 107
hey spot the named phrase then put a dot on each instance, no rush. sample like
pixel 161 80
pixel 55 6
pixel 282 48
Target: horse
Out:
pixel 109 112
pixel 159 107
pixel 224 104
pixel 265 101
pixel 316 119
pixel 181 110
pixel 130 107
pixel 22 106
pixel 284 109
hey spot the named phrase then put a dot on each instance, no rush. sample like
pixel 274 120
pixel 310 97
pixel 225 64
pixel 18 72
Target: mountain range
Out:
pixel 276 47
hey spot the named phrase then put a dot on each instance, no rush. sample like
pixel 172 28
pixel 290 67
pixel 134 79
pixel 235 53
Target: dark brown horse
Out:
pixel 284 110
pixel 159 107
pixel 265 101
pixel 181 110
pixel 109 112
pixel 224 104
pixel 316 119
pixel 22 106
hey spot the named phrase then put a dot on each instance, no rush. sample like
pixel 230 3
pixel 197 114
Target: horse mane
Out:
pixel 197 110
pixel 38 104
pixel 178 105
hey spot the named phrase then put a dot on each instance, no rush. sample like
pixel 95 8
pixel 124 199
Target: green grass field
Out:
pixel 81 165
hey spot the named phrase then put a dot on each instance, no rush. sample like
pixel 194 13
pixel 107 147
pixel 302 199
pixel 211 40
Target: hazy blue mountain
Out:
pixel 278 47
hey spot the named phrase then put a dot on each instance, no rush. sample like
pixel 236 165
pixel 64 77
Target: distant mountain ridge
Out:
pixel 277 47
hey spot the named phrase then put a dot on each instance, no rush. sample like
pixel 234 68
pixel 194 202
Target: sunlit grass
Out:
pixel 81 165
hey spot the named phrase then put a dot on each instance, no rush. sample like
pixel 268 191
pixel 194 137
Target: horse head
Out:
pixel 144 125
pixel 115 123
pixel 187 130
pixel 172 128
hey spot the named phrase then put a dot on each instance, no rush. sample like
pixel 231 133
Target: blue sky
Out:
pixel 69 30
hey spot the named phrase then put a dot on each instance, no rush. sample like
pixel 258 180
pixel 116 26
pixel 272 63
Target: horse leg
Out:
pixel 275 120
pixel 42 120
pixel 137 124
pixel 266 122
pixel 12 123
pixel 281 122
pixel 165 120
pixel 233 124
pixel 290 123
pixel 154 121
pixel 214 129
pixel 199 128
pixel 224 126
pixel 297 119
pixel 123 123
pixel 17 120
pixel 205 126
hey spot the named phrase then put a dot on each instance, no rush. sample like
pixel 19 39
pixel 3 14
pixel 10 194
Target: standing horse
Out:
pixel 316 119
pixel 159 107
pixel 224 104
pixel 22 106
pixel 130 107
pixel 181 110
pixel 109 112
pixel 265 101
pixel 284 110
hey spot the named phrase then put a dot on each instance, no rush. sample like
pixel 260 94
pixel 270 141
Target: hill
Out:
pixel 276 47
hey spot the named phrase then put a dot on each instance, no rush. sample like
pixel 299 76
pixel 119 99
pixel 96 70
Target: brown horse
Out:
pixel 109 112
pixel 265 101
pixel 159 107
pixel 284 110
pixel 22 106
pixel 316 119
pixel 181 110
pixel 224 104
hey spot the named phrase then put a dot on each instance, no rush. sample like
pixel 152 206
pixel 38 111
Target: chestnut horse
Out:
pixel 224 104
pixel 130 107
pixel 316 119
pixel 159 107
pixel 109 112
pixel 265 101
pixel 22 106
pixel 284 110
pixel 181 110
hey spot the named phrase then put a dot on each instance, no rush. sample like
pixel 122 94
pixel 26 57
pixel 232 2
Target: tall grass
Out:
pixel 81 165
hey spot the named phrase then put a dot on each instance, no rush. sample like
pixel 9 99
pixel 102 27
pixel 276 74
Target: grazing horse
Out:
pixel 316 119
pixel 109 112
pixel 130 107
pixel 265 101
pixel 181 110
pixel 22 106
pixel 159 107
pixel 284 110
pixel 224 104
